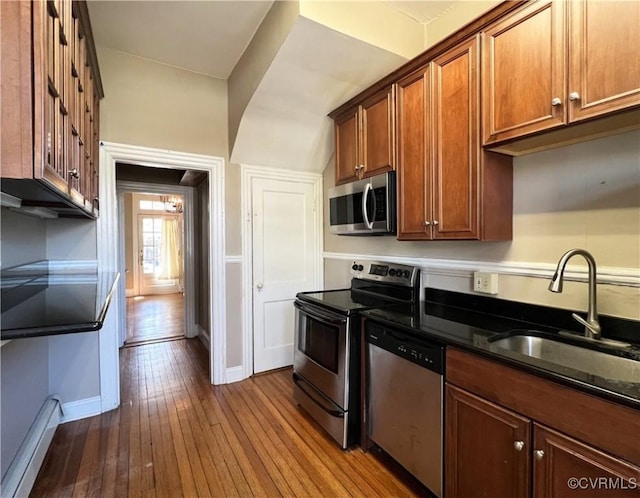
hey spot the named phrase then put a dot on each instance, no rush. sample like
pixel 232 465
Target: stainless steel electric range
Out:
pixel 326 364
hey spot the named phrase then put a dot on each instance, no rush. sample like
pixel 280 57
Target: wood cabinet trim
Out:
pixel 549 403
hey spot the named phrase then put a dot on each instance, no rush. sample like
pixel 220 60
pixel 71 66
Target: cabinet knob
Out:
pixel 435 222
pixel 259 286
pixel 556 102
pixel 427 223
pixel 518 445
pixel 539 454
pixel 573 96
pixel 74 173
pixel 356 167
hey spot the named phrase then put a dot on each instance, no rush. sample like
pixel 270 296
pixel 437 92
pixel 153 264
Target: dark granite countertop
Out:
pixel 51 298
pixel 469 322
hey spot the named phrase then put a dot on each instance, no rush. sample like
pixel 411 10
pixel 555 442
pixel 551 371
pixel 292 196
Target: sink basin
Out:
pixel 586 360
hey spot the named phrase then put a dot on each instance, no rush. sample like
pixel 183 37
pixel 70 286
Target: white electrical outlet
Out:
pixel 484 282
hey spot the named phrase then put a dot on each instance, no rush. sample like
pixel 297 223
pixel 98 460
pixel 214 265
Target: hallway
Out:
pixel 176 435
pixel 154 317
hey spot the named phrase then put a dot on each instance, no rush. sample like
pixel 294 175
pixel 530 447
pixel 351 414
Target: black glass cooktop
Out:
pixel 343 300
pixel 348 301
pixel 36 301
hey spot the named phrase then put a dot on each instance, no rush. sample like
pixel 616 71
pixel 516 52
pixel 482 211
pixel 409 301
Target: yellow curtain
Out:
pixel 170 260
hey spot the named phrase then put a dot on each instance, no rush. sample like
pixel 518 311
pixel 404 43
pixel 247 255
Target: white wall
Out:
pixel 585 195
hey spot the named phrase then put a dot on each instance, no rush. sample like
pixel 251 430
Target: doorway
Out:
pixel 154 267
pixel 108 255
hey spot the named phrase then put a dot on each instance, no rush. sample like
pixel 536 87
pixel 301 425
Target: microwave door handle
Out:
pixel 365 195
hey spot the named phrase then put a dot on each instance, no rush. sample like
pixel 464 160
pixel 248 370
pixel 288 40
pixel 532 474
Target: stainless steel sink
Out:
pixel 579 358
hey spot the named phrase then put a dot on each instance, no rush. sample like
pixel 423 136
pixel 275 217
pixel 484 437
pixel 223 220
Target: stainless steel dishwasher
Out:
pixel 405 401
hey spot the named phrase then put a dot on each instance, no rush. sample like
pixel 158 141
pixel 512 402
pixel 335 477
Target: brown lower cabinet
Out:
pixel 487 448
pixel 522 449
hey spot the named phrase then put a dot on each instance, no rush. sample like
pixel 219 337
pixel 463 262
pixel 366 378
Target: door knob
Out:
pixel 574 96
pixel 427 223
pixel 556 102
pixel 435 222
pixel 259 285
pixel 518 445
pixel 539 454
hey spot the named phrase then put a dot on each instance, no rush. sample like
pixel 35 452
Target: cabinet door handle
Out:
pixel 259 286
pixel 435 222
pixel 518 445
pixel 539 454
pixel 573 96
pixel 556 102
pixel 74 173
pixel 427 223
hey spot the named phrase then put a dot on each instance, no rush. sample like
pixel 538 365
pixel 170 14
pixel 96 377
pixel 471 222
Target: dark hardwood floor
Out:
pixel 156 317
pixel 176 435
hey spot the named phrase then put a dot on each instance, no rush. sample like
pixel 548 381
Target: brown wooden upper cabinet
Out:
pixel 364 136
pixel 50 92
pixel 554 63
pixel 448 188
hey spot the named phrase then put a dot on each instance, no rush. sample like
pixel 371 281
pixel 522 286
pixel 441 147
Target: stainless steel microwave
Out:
pixel 365 207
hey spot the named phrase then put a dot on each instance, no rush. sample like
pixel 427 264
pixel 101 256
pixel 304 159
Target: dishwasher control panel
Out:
pixel 416 350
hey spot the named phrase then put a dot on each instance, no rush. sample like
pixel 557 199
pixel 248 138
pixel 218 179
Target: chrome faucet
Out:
pixel 591 324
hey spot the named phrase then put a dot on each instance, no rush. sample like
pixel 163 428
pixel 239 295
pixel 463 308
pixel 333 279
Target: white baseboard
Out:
pixel 24 468
pixel 234 374
pixel 83 408
pixel 204 336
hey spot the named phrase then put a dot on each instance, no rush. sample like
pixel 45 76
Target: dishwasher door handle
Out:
pixel 299 381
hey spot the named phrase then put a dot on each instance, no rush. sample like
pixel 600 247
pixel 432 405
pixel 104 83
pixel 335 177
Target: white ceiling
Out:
pixel 206 36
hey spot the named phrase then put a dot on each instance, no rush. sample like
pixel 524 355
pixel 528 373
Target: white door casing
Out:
pixel 282 243
pixel 107 244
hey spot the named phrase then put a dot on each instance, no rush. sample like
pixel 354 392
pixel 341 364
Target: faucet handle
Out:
pixel 594 328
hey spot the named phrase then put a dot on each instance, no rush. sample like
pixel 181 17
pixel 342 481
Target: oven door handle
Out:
pixel 299 381
pixel 318 315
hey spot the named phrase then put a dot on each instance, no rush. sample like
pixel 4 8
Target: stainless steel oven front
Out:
pixel 321 367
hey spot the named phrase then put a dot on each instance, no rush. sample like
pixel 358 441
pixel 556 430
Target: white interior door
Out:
pixel 285 238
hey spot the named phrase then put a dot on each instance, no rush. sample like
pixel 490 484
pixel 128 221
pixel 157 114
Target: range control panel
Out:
pixel 393 273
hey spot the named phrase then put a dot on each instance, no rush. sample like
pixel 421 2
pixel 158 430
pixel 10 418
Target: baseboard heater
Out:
pixel 22 472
